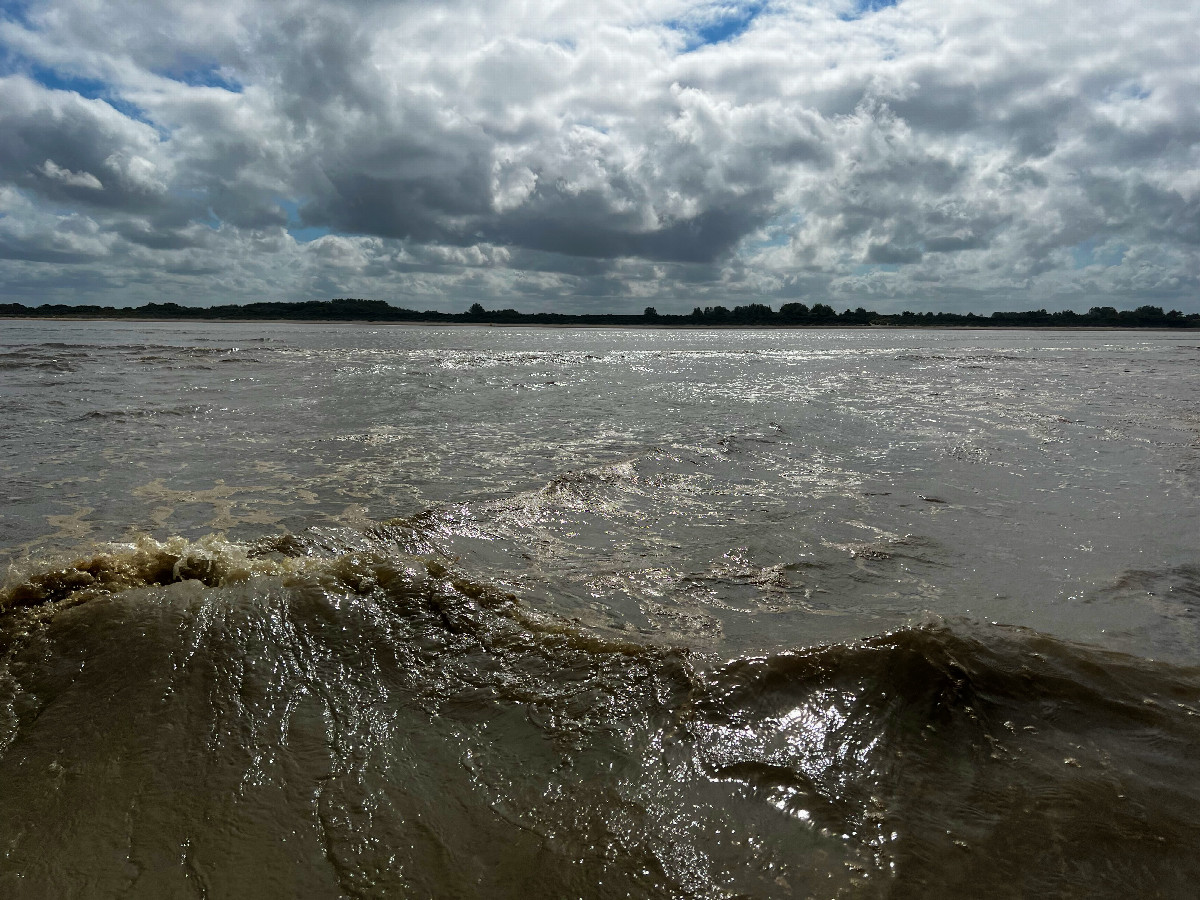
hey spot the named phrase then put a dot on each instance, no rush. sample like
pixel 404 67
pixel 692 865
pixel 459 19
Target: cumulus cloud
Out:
pixel 598 156
pixel 74 179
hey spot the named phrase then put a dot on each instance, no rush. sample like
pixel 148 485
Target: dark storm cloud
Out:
pixel 587 224
pixel 140 232
pixel 890 254
pixel 400 188
pixel 618 153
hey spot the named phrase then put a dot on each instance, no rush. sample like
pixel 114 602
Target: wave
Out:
pixel 121 567
pixel 184 411
pixel 961 756
pixel 412 729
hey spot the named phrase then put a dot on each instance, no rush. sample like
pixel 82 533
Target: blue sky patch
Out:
pixel 15 11
pixel 866 7
pixel 776 233
pixel 55 80
pixel 1097 252
pixel 90 88
pixel 301 233
pixel 204 75
pixel 1128 90
pixel 718 24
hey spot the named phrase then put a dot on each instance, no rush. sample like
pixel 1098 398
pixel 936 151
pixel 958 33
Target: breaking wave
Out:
pixel 345 713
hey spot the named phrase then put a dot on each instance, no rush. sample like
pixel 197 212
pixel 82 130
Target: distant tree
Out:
pixel 1147 315
pixel 650 312
pixel 753 313
pixel 793 312
pixel 476 309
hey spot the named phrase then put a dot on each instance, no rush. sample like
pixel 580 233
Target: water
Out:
pixel 479 612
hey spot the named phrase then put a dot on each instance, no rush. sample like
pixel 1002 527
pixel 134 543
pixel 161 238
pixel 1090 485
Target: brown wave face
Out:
pixel 973 762
pixel 298 719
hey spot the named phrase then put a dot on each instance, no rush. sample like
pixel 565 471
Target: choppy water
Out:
pixel 479 612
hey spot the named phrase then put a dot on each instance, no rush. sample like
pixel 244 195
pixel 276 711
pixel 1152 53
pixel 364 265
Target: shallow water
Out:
pixel 355 611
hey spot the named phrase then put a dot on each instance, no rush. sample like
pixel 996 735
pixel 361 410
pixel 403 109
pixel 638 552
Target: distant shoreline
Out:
pixel 646 326
pixel 757 316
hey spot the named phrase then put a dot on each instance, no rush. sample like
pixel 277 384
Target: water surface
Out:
pixel 373 611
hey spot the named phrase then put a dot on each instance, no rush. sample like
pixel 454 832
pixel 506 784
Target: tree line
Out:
pixel 749 315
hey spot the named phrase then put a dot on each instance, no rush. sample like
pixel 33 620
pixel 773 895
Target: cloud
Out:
pixel 68 149
pixel 586 156
pixel 55 172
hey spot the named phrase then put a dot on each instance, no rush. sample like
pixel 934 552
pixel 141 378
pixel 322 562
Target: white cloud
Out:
pixel 926 155
pixel 57 173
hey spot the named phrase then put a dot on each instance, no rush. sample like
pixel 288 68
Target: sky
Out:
pixel 602 156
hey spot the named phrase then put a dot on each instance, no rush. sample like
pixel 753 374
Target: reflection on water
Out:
pixel 487 612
